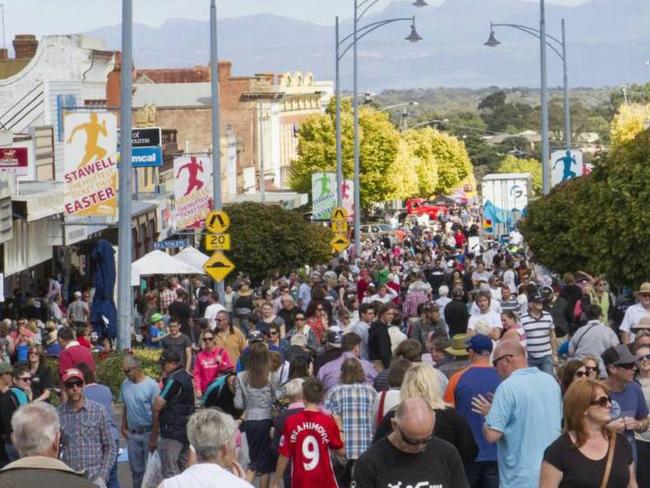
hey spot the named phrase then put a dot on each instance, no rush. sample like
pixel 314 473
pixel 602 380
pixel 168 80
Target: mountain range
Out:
pixel 608 44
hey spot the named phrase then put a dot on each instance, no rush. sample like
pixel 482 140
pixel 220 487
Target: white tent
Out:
pixel 159 263
pixel 192 256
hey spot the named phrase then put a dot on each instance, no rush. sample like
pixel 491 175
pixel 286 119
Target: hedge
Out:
pixel 109 371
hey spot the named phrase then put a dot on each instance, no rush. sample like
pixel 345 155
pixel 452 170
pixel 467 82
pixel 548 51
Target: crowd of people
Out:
pixel 423 362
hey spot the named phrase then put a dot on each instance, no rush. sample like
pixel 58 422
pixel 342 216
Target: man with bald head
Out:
pixel 523 418
pixel 410 455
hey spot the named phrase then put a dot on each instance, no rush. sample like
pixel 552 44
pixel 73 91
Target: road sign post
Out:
pixel 218 266
pixel 340 229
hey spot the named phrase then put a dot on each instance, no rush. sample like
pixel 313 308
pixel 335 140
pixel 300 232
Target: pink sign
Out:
pixel 14 160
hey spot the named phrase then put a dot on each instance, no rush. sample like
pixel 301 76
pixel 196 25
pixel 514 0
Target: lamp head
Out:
pixel 492 41
pixel 413 36
pixel 420 3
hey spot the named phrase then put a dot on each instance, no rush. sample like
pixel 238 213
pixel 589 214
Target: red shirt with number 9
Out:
pixel 306 440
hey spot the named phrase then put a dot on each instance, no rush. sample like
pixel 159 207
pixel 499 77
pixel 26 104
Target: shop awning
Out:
pixel 158 263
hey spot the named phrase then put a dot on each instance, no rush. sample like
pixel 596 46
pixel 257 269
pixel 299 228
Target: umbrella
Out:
pixel 159 263
pixel 193 257
pixel 103 315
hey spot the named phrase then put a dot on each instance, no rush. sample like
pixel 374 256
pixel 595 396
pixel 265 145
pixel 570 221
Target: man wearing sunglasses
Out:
pixel 410 455
pixel 86 441
pixel 523 418
pixel 629 409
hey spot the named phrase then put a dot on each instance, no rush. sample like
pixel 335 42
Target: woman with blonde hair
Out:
pixel 587 453
pixel 422 381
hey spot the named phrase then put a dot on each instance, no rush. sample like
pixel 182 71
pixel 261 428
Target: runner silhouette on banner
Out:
pixel 92 129
pixel 193 168
pixel 567 161
pixel 324 184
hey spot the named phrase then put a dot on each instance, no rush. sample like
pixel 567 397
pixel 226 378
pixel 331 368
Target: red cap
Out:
pixel 72 373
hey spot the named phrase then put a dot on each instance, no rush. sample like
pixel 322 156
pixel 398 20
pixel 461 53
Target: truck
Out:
pixel 505 200
pixel 420 206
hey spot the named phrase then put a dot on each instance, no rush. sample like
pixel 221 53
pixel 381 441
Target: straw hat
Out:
pixel 458 346
pixel 245 291
pixel 645 288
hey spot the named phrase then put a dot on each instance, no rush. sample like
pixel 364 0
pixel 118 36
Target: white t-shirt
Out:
pixel 205 475
pixel 491 318
pixel 211 312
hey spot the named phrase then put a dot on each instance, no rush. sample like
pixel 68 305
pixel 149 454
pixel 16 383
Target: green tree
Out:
pixel 267 238
pixel 379 144
pixel 511 164
pixel 600 222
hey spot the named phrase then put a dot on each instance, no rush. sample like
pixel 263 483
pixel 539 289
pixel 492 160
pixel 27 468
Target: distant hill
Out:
pixel 608 44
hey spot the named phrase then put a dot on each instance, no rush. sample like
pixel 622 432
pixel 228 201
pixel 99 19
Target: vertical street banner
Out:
pixel 192 190
pixel 347 197
pixel 323 195
pixel 566 165
pixel 90 177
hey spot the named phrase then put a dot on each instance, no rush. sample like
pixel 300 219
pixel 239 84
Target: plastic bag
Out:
pixel 152 473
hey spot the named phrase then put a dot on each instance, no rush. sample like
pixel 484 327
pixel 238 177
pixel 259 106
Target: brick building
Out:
pixel 260 116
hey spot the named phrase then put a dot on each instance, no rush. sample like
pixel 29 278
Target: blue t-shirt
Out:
pixel 476 381
pixel 527 409
pixel 138 398
pixel 629 403
pixel 154 332
pixel 102 395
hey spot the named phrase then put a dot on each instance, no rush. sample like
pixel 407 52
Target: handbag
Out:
pixel 610 459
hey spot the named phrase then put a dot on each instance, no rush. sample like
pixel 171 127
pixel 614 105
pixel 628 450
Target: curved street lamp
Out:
pixel 556 45
pixel 361 7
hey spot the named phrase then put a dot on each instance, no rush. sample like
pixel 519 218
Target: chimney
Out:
pixel 25 46
pixel 4 54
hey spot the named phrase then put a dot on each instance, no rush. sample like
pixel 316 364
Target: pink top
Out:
pixel 209 365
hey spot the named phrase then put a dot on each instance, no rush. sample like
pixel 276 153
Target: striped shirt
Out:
pixel 538 334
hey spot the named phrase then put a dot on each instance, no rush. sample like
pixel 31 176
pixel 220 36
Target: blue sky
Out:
pixel 66 16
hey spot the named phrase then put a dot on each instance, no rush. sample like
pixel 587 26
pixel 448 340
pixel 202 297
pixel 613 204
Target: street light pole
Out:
pixel 545 139
pixel 216 136
pixel 339 155
pixel 567 106
pixel 124 253
pixel 355 104
pixel 217 201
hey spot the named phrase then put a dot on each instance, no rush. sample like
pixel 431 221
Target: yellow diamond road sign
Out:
pixel 218 266
pixel 217 222
pixel 339 227
pixel 217 242
pixel 339 214
pixel 340 243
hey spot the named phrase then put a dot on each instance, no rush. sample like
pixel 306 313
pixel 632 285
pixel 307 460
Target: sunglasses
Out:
pixel 580 374
pixel 74 384
pixel 127 371
pixel 320 309
pixel 413 442
pixel 627 366
pixel 299 319
pixel 590 369
pixel 208 339
pixel 603 401
pixel 26 379
pixel 273 333
pixel 496 361
pixel 644 358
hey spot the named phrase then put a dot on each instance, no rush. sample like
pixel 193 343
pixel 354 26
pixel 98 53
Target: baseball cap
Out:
pixel 170 356
pixel 71 374
pixel 157 317
pixel 255 336
pixel 334 338
pixel 535 297
pixel 480 344
pixel 6 368
pixel 77 294
pixel 617 355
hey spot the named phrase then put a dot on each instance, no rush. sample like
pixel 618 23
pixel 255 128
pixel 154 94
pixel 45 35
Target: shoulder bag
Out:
pixel 610 459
